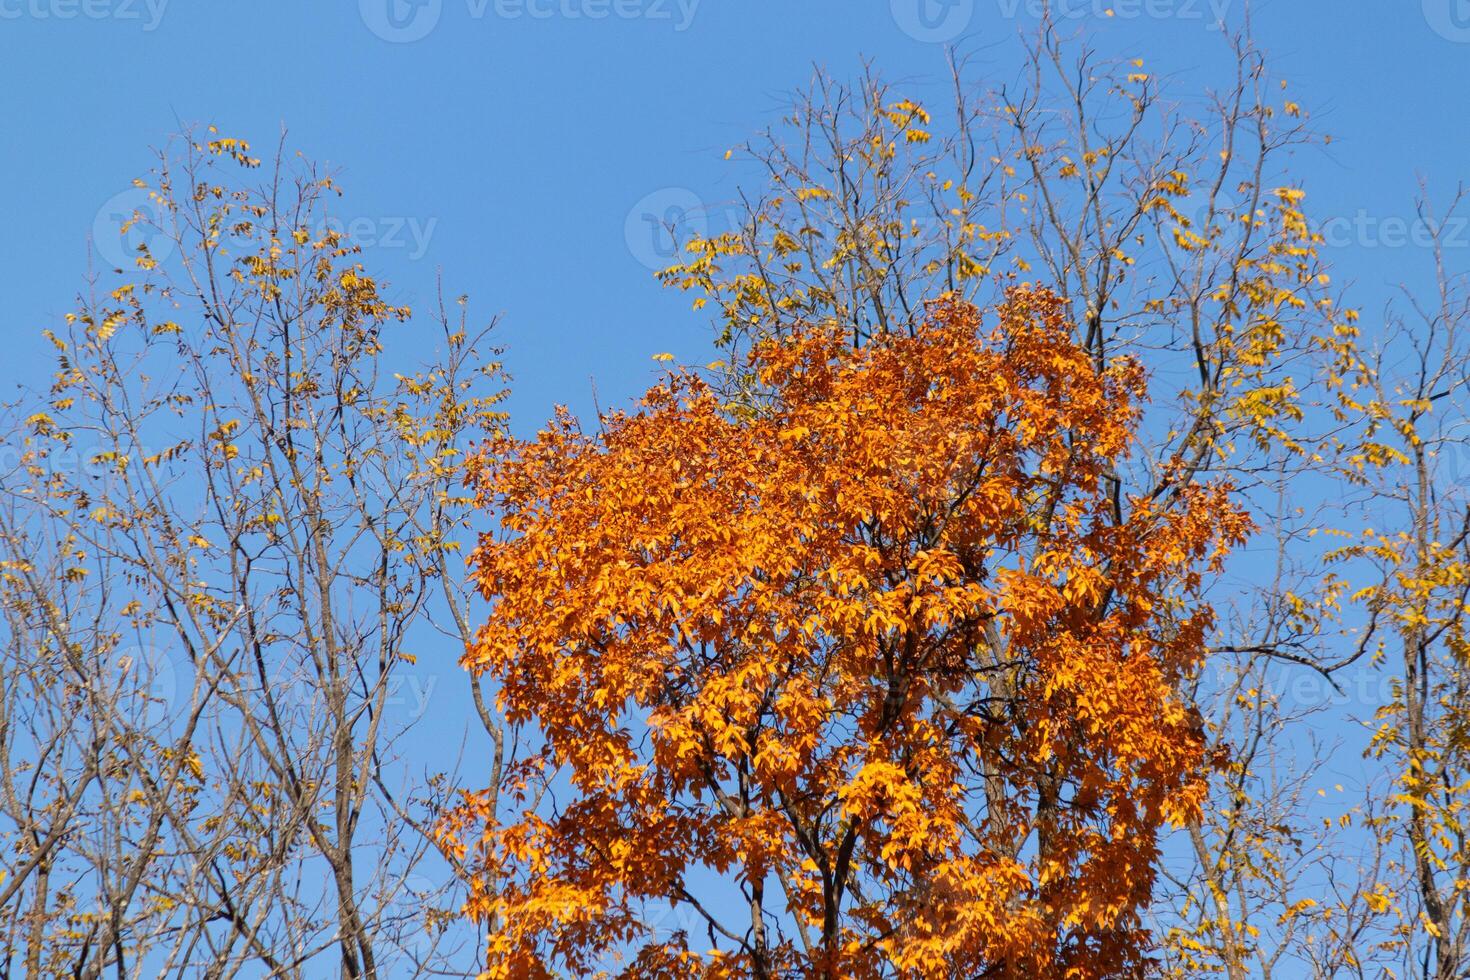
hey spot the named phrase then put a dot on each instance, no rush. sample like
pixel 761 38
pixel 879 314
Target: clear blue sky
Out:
pixel 512 143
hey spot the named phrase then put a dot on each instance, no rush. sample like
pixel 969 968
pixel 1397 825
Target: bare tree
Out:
pixel 224 535
pixel 1413 560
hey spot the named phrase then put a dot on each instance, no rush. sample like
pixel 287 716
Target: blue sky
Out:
pixel 517 144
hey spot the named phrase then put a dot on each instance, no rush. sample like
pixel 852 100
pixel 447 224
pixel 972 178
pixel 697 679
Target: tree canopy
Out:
pixel 871 643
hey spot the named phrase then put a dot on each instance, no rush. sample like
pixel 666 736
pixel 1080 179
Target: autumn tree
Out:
pixel 225 530
pixel 864 673
pixel 1176 231
pixel 1172 224
pixel 1411 559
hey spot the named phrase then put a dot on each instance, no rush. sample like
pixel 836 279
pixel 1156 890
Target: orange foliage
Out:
pixel 875 650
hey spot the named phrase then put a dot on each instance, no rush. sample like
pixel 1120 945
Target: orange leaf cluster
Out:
pixel 877 652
